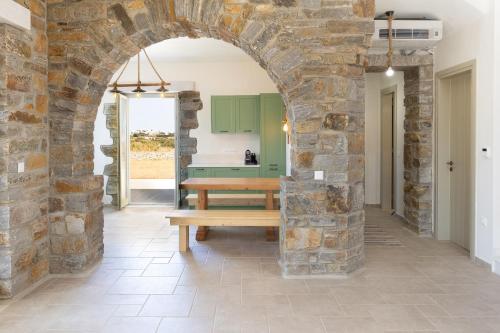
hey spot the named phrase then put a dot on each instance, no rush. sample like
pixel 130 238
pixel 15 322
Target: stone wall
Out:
pixel 24 241
pixel 189 105
pixel 313 50
pixel 418 146
pixel 111 170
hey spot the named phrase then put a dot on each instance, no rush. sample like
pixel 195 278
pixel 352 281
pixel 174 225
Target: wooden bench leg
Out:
pixel 270 231
pixel 183 238
pixel 201 233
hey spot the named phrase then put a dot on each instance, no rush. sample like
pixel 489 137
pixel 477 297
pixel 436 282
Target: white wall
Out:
pixel 375 83
pixel 476 42
pixel 496 136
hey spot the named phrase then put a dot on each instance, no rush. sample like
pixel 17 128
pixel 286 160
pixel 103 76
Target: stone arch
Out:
pixel 313 50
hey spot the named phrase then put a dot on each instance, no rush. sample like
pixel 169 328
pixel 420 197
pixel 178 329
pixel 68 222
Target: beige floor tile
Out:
pixel 186 325
pixel 167 306
pixel 400 317
pixel 352 325
pixel 315 305
pixel 131 325
pixel 273 286
pixel 164 270
pixel 127 310
pixel 296 324
pixel 465 305
pixel 144 285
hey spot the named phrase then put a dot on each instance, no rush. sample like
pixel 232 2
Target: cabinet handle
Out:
pixel 273 165
pixel 235 169
pixel 247 131
pixel 273 169
pixel 200 169
pixel 223 131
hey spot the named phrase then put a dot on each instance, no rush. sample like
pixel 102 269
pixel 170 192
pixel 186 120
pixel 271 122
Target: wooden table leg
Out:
pixel 201 233
pixel 270 231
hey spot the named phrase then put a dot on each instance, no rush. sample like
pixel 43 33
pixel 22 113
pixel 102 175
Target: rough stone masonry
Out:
pixel 314 50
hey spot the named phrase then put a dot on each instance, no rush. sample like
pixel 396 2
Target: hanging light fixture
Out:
pixel 390 18
pixel 139 85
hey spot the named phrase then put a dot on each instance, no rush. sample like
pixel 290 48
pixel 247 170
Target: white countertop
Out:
pixel 222 165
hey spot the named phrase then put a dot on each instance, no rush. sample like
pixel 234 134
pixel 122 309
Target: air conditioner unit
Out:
pixel 408 34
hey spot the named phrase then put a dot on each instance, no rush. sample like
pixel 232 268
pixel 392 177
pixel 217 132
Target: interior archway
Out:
pixel 322 86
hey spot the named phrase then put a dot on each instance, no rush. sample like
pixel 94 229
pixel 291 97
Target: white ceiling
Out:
pixel 453 13
pixel 196 50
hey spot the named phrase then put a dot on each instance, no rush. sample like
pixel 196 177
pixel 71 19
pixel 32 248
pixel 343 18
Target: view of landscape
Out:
pixel 152 155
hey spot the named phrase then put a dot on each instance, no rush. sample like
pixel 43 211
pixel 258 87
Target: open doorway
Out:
pixel 148 150
pixel 455 155
pixel 388 164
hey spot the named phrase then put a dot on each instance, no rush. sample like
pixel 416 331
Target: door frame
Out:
pixel 394 91
pixel 175 96
pixel 440 77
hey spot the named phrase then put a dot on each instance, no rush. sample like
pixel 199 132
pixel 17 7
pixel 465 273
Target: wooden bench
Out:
pixel 229 218
pixel 236 199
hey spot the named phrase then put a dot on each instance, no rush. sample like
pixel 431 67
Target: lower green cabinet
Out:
pixel 272 136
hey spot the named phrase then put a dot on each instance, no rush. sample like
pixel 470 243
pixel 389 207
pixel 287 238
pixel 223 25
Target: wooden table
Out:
pixel 203 185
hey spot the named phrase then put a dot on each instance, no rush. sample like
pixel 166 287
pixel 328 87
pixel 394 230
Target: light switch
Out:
pixel 20 167
pixel 319 175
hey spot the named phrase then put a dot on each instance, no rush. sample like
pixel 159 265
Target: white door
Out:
pixel 455 158
pixel 123 151
pixel 387 151
pixel 460 159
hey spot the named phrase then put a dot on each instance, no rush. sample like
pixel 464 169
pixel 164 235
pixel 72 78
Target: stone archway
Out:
pixel 313 50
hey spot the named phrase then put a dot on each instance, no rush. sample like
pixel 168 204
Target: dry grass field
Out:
pixel 152 169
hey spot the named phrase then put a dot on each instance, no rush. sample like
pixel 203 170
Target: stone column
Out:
pixel 418 148
pixel 189 105
pixel 323 220
pixel 111 170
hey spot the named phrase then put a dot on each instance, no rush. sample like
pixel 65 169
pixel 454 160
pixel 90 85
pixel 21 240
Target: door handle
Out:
pixel 451 164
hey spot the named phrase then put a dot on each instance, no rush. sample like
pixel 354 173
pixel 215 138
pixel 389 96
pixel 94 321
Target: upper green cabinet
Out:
pixel 247 114
pixel 235 114
pixel 223 114
pixel 272 137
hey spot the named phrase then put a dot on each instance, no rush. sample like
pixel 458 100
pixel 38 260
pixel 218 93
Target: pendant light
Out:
pixel 139 85
pixel 390 18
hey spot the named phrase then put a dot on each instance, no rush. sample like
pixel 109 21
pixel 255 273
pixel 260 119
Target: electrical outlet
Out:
pixel 484 221
pixel 20 167
pixel 319 175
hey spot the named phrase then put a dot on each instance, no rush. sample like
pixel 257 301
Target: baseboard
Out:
pixel 373 206
pixel 496 265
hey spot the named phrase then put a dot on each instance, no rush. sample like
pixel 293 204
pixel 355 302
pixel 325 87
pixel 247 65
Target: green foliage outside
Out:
pixel 142 141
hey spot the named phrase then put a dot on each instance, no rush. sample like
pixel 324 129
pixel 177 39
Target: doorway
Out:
pixel 148 145
pixel 455 156
pixel 388 148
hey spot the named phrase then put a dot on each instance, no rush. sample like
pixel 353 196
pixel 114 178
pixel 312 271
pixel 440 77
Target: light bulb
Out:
pixel 389 72
pixel 162 95
pixel 285 127
pixel 138 94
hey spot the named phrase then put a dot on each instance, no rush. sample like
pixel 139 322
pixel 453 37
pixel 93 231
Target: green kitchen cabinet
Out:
pixel 235 114
pixel 247 114
pixel 223 114
pixel 249 172
pixel 272 136
pixel 199 172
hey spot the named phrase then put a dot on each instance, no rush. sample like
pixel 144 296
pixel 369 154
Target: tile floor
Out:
pixel 232 283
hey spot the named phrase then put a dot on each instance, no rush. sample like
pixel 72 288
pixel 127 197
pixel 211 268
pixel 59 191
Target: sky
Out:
pixel 155 114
